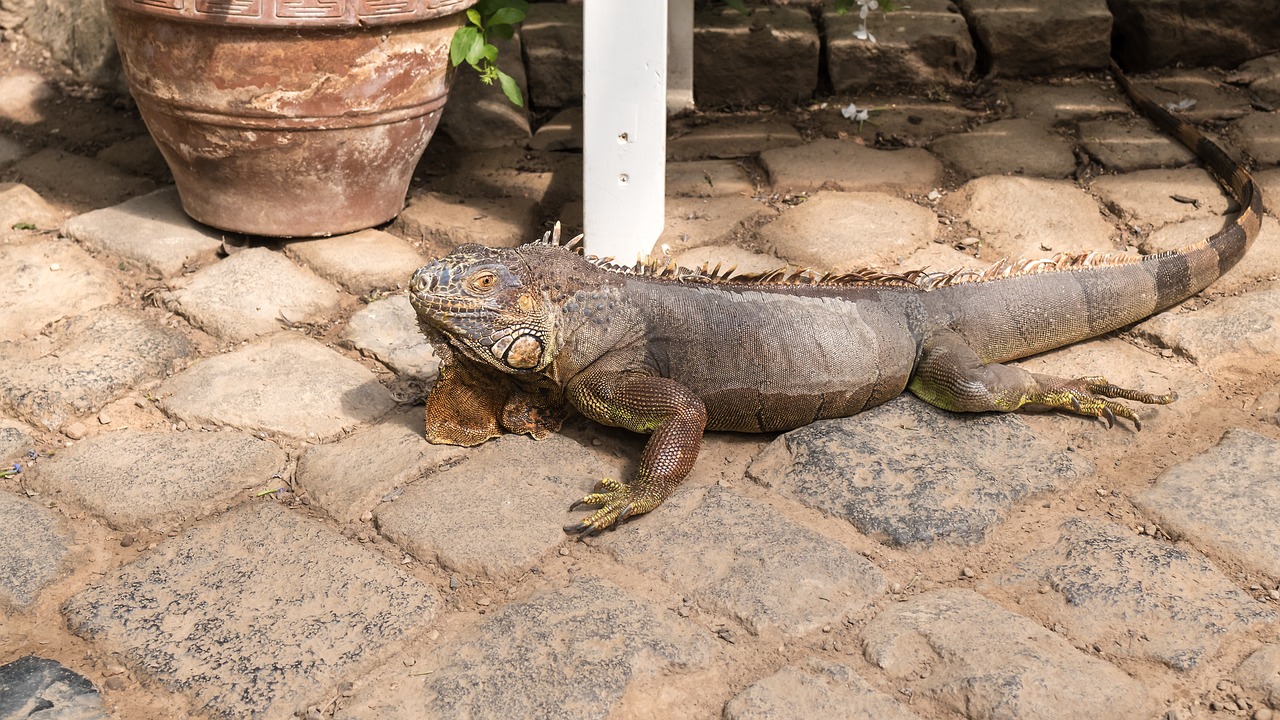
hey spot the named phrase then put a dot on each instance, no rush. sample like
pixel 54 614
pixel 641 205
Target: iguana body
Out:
pixel 673 352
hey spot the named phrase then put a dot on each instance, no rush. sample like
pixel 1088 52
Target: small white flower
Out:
pixel 1184 104
pixel 852 112
pixel 863 33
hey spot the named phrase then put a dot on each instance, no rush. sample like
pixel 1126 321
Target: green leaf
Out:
pixel 463 39
pixel 491 53
pixel 843 6
pixel 23 226
pixel 476 50
pixel 738 5
pixel 507 16
pixel 511 89
pixel 502 31
pixel 474 16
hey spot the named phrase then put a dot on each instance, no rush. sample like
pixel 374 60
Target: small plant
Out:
pixel 471 43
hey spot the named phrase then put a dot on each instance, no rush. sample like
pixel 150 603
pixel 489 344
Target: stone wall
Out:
pixel 789 51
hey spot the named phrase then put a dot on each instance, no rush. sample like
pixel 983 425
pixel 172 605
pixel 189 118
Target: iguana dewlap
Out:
pixel 526 333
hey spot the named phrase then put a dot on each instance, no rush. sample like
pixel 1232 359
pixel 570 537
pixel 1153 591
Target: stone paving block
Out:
pixel 442 222
pixel 708 178
pixel 90 361
pixel 775 576
pixel 874 470
pixel 155 480
pixel 562 132
pixel 360 262
pixel 1155 33
pixel 137 155
pixel 322 395
pixel 92 183
pixel 1258 134
pixel 1212 99
pixel 14 442
pixel 1125 147
pixel 34 544
pixel 41 689
pixel 728 256
pixel 388 331
pixel 1261 264
pixel 498 512
pixel 692 222
pixel 975 658
pixel 1145 196
pixel 1055 104
pixel 1262 75
pixel 547 180
pixel 571 653
pixel 255 614
pixel 1269 181
pixel 925 43
pixel 25 96
pixel 483 117
pixel 20 206
pixel 1223 501
pixel 847 231
pixel 1031 217
pixel 1043 38
pixel 1260 674
pixel 351 476
pixel 552 37
pixel 732 136
pixel 46 281
pixel 1017 146
pixel 150 231
pixel 1233 332
pixel 767 55
pixel 254 292
pixel 1133 596
pixel 839 165
pixel 815 688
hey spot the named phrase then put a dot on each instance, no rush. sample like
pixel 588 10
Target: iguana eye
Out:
pixel 482 282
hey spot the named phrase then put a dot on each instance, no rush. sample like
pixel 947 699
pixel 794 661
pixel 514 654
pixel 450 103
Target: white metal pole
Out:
pixel 680 56
pixel 624 124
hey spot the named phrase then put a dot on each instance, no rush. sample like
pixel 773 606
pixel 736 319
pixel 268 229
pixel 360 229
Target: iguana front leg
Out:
pixel 669 412
pixel 951 376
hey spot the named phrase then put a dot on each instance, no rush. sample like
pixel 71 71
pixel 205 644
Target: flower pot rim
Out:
pixel 296 14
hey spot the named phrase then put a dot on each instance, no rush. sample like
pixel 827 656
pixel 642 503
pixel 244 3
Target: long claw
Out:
pixel 1110 417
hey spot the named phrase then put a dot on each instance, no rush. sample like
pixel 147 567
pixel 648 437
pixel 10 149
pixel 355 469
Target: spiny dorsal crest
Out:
pixel 656 268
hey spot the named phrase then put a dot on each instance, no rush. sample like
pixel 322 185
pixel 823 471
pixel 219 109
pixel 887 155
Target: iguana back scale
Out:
pixel 524 334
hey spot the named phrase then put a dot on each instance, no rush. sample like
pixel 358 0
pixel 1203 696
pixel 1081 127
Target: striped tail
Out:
pixel 1192 268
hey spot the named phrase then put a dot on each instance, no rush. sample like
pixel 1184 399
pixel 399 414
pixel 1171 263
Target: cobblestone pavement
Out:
pixel 226 508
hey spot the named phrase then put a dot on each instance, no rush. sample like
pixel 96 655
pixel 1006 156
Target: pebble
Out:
pixel 453 582
pixel 75 430
pixel 564 552
pixel 114 683
pixel 1275 594
pixel 128 541
pixel 104 418
pixel 366 516
pixel 967 572
pixel 346 688
pixel 483 601
pixel 1263 714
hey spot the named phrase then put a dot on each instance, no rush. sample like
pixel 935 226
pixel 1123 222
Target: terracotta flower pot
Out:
pixel 289 117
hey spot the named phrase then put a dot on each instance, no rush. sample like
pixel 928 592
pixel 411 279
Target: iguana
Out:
pixel 525 334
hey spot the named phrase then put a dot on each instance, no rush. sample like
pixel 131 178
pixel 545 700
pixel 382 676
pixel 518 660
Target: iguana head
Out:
pixel 487 302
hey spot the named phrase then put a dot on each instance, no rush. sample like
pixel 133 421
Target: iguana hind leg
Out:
pixel 674 418
pixel 951 376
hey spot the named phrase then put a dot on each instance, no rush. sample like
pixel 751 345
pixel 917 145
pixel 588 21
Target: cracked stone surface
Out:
pixel 1145 196
pixel 828 164
pixel 1222 501
pixel 151 231
pixel 971 656
pixel 387 330
pixel 815 688
pixel 1124 147
pixel 1134 596
pixel 1030 217
pixel 89 361
pixel 134 479
pixel 758 586
pixel 254 292
pixel 848 231
pixel 571 653
pixel 47 281
pixel 34 545
pixel 1235 331
pixel 222 615
pixel 1015 146
pixel 871 470
pixel 322 395
pixel 361 261
pixel 442 222
pixel 20 205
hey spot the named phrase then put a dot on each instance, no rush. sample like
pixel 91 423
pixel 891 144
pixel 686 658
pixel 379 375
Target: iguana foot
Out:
pixel 1090 396
pixel 616 501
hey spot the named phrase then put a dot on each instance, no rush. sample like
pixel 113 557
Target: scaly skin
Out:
pixel 526 334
